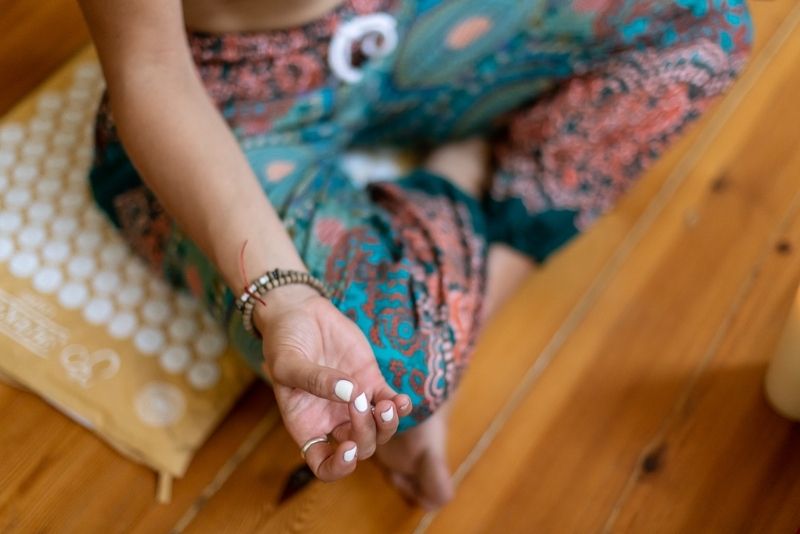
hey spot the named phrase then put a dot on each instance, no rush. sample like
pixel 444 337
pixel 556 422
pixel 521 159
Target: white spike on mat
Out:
pixel 83 323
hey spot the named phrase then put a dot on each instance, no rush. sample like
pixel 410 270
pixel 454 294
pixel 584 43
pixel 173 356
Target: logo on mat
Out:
pixel 87 368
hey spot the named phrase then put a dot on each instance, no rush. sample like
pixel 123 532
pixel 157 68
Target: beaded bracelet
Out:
pixel 267 282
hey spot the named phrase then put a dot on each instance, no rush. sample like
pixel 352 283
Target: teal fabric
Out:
pixel 577 99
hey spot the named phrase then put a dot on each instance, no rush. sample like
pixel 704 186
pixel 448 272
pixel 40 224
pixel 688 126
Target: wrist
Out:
pixel 240 263
pixel 278 301
pixel 251 302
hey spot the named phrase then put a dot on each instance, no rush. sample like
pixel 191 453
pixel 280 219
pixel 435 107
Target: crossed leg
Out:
pixel 556 175
pixel 466 165
pixel 416 460
pixel 565 161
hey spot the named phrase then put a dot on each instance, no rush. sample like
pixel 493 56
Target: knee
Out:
pixel 421 339
pixel 735 31
pixel 730 25
pixel 414 285
pixel 419 358
pixel 712 44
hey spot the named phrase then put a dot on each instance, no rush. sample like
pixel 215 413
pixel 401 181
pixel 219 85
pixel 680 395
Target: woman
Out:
pixel 222 163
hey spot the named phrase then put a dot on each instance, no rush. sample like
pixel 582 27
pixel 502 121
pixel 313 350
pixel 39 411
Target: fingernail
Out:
pixel 349 455
pixel 343 389
pixel 361 403
pixel 388 414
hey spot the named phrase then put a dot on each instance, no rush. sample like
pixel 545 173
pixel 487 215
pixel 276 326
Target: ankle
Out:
pixel 464 164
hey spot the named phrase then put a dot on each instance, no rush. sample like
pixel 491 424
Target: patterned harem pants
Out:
pixel 576 97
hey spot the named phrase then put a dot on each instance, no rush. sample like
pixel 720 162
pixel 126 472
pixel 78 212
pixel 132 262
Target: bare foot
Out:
pixel 416 462
pixel 463 163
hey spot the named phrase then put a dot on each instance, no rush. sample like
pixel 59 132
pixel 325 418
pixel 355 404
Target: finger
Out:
pixel 330 462
pixel 386 421
pixel 403 403
pixel 343 432
pixel 362 426
pixel 325 382
pixel 401 400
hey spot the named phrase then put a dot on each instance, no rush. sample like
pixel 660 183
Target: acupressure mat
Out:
pixel 83 323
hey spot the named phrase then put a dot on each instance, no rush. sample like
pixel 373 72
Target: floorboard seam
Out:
pixel 676 178
pixel 712 350
pixel 772 49
pixel 262 428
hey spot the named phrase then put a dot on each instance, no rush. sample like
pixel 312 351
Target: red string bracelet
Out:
pixel 268 281
pixel 245 278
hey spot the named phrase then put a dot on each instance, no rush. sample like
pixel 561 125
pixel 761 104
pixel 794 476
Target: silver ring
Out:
pixel 310 443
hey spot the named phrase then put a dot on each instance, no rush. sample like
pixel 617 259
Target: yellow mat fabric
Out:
pixel 83 323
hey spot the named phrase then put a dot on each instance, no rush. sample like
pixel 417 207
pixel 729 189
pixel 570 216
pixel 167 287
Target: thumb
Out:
pixel 292 370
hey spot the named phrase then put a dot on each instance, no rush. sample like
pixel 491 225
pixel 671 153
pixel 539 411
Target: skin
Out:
pixel 310 347
pixel 192 163
pixel 217 16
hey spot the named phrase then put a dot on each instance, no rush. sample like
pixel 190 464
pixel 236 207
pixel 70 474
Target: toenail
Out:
pixel 388 414
pixel 361 403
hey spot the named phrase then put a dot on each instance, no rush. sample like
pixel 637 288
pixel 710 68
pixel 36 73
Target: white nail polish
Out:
pixel 361 403
pixel 350 455
pixel 343 389
pixel 388 414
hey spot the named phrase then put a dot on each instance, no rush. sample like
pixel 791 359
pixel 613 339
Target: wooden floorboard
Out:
pixel 488 387
pixel 648 415
pixel 724 461
pixel 581 431
pixel 35 39
pixel 57 475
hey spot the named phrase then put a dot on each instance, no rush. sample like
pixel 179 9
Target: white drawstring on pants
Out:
pixel 377 33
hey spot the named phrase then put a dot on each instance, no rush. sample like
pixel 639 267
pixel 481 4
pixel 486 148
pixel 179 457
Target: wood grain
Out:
pixel 702 470
pixel 585 426
pixel 35 39
pixel 57 474
pixel 488 386
pixel 619 390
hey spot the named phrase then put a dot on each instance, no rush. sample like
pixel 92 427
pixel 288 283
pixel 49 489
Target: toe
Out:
pixel 435 483
pixel 404 486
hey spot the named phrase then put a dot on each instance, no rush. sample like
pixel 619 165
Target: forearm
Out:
pixel 186 154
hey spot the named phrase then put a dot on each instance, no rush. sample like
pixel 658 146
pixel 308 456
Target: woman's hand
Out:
pixel 326 380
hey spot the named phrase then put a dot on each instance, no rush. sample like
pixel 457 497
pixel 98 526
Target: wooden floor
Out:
pixel 620 391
